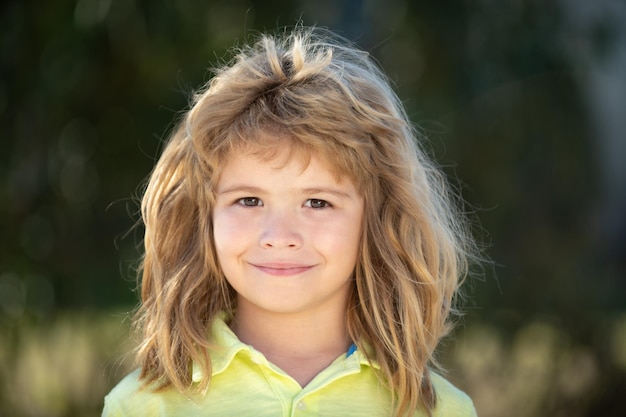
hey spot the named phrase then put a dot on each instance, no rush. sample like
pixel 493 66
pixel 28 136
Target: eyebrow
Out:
pixel 239 188
pixel 309 190
pixel 325 190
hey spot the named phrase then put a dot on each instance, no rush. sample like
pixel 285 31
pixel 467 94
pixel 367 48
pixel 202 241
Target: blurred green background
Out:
pixel 524 104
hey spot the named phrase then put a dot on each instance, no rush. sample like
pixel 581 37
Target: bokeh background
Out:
pixel 523 103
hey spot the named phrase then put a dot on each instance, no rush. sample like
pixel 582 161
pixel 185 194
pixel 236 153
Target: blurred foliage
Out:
pixel 522 102
pixel 541 370
pixel 65 368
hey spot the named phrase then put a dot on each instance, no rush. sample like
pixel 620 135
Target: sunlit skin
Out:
pixel 287 237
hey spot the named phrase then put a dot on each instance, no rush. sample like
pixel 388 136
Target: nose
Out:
pixel 280 230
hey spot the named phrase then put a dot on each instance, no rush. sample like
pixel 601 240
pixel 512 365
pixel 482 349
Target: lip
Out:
pixel 282 268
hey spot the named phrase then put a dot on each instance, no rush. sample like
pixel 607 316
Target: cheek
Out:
pixel 343 237
pixel 228 234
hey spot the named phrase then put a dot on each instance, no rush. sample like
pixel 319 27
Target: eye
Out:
pixel 317 203
pixel 250 202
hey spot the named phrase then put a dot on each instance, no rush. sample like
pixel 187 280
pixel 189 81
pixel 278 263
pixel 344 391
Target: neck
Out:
pixel 300 344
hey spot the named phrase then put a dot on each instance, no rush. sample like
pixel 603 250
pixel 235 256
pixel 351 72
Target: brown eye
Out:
pixel 317 204
pixel 250 202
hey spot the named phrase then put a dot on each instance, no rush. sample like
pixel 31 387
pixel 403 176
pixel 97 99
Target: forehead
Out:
pixel 279 151
pixel 246 173
pixel 278 147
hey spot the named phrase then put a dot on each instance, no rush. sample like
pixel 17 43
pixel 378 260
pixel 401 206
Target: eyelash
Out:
pixel 314 203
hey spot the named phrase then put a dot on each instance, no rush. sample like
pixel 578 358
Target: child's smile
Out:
pixel 287 234
pixel 281 268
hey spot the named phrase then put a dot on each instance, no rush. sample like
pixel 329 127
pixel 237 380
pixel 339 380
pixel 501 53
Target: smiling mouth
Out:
pixel 282 269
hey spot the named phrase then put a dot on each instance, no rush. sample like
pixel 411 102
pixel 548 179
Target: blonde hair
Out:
pixel 321 95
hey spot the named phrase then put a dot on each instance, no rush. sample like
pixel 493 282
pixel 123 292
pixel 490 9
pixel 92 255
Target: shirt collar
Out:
pixel 225 346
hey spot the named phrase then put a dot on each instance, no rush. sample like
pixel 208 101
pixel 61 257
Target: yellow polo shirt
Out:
pixel 244 383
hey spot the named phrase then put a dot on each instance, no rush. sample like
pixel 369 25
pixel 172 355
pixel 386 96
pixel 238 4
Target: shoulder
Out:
pixel 129 385
pixel 129 398
pixel 451 401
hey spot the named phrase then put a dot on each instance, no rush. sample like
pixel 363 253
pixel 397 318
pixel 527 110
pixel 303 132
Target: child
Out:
pixel 301 252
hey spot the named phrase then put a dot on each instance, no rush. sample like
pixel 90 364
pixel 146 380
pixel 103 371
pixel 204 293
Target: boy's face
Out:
pixel 287 234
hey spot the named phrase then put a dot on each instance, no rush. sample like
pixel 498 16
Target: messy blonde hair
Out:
pixel 317 93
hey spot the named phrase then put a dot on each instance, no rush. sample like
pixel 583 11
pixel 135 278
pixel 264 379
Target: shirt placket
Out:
pixel 305 403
